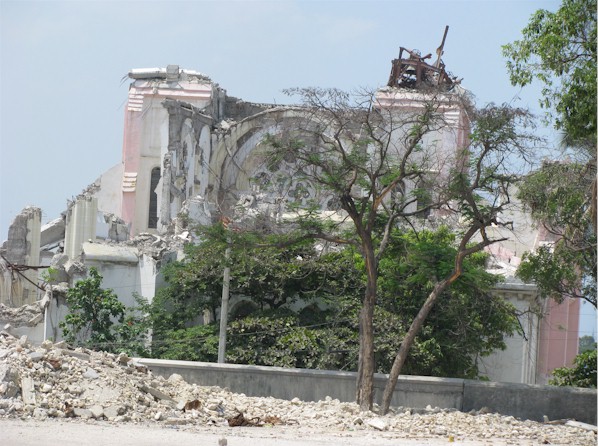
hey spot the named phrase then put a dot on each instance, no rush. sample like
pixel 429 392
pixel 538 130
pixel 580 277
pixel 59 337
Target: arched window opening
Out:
pixel 152 221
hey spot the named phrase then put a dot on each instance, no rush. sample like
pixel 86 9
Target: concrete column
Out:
pixel 81 223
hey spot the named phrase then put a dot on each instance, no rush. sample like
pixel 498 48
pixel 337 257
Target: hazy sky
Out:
pixel 62 64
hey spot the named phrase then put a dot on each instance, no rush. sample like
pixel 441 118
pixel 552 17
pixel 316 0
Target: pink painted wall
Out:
pixel 559 332
pixel 131 155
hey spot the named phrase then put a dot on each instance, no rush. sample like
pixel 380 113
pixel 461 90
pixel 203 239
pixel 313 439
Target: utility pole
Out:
pixel 225 295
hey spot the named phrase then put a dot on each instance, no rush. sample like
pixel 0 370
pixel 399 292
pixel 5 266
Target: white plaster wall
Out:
pixel 147 277
pixel 128 279
pixel 518 362
pixel 151 140
pixel 110 194
pixel 123 279
pixel 55 314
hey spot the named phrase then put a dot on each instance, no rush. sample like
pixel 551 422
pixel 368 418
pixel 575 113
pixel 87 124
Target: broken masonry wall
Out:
pixel 185 168
pixel 109 192
pixel 237 109
pixel 22 248
pixel 81 221
pixel 237 166
pixel 55 313
pixel 125 269
pixel 147 139
pixel 26 320
pixel 84 223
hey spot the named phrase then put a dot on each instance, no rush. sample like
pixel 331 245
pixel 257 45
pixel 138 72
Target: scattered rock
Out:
pixel 97 385
pixel 113 411
pixel 97 411
pixel 83 413
pixel 40 413
pixel 377 423
pixel 175 421
pixel 28 390
pixel 91 374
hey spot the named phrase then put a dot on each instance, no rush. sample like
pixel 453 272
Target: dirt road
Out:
pixel 15 432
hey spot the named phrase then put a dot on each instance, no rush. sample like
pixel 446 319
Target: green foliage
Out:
pixel 272 339
pixel 587 343
pixel 50 275
pixel 132 333
pixel 558 196
pixel 98 320
pixel 582 374
pixel 197 343
pixel 559 49
pixel 92 313
pixel 468 322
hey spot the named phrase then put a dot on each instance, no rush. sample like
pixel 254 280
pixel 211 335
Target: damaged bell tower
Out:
pixel 412 71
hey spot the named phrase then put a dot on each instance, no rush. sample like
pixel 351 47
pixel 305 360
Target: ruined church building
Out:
pixel 190 153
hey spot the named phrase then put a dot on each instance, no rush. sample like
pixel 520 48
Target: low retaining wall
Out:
pixel 518 400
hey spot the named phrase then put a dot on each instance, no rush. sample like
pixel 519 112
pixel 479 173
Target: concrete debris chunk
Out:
pixel 157 394
pixel 78 355
pixel 28 390
pixel 83 413
pixel 378 423
pixel 9 381
pixel 114 411
pixel 36 356
pixel 91 374
pixel 97 411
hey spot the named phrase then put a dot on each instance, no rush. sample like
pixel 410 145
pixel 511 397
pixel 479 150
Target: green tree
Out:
pixel 467 323
pixel 559 50
pixel 582 374
pixel 383 167
pixel 587 343
pixel 92 312
pixel 98 320
pixel 558 197
pixel 269 277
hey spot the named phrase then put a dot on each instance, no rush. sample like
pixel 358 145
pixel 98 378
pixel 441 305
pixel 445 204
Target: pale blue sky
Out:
pixel 61 65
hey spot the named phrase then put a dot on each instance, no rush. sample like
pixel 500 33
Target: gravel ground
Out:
pixel 74 397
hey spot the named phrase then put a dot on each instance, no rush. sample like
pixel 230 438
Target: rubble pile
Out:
pixel 53 381
pixel 28 315
pixel 154 245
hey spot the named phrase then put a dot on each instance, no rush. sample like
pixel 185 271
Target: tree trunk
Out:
pixel 365 378
pixel 366 367
pixel 416 325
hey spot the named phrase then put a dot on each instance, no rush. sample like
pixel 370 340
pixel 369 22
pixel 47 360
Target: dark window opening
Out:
pixel 152 221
